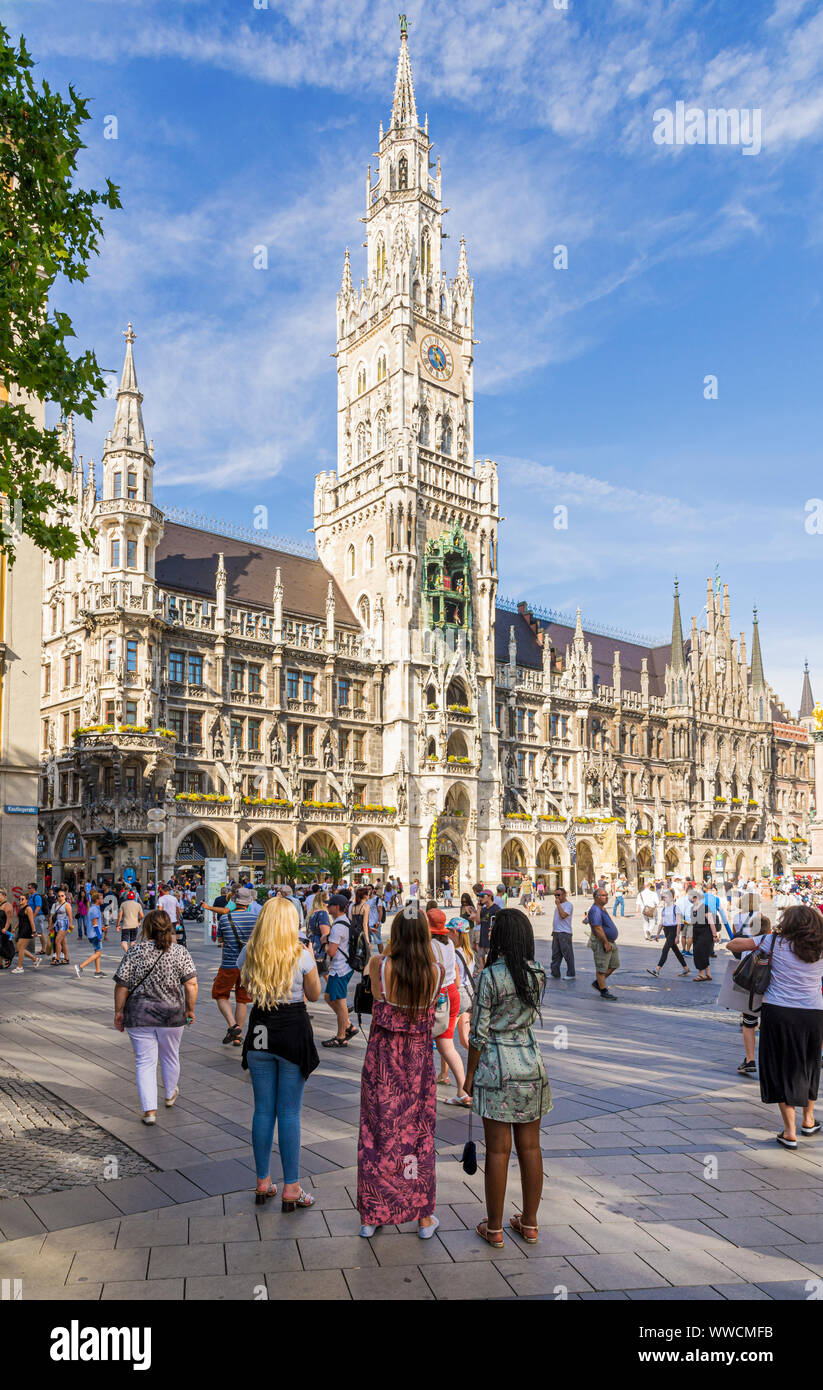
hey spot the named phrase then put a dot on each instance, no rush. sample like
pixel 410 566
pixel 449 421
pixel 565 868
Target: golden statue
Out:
pixel 818 717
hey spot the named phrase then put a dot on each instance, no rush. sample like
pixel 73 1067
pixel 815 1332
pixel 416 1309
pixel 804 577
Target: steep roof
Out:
pixel 807 698
pixel 530 653
pixel 187 560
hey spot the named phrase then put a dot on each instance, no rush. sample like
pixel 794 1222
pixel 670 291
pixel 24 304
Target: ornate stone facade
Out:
pixel 378 696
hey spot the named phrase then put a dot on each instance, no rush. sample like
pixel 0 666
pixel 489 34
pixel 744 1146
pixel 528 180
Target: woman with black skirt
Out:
pixel 791 1019
pixel 704 936
pixel 671 921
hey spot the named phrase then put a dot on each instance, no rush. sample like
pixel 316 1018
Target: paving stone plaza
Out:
pixel 661 1176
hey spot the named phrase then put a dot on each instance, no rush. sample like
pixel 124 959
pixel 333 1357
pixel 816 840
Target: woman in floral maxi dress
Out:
pixel 398 1104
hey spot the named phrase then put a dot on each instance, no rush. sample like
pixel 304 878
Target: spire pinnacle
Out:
pixel 806 698
pixel 758 679
pixel 462 263
pixel 128 419
pixel 404 108
pixel 346 287
pixel 678 653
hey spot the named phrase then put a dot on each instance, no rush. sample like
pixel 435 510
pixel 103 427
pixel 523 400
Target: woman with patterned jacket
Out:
pixel 506 1076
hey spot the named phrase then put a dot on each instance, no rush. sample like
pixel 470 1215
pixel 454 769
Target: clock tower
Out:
pixel 408 521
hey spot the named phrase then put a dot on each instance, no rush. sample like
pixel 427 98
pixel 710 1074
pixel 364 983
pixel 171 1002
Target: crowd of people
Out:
pixel 452 993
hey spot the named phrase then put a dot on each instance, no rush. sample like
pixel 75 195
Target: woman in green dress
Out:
pixel 506 1077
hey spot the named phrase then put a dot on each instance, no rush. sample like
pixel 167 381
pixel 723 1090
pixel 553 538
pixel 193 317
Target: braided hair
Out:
pixel 513 941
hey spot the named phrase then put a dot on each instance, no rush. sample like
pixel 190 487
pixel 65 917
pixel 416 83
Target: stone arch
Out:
pixel 549 864
pixel 457 693
pixel 69 843
pixel 645 867
pixel 514 857
pixel 458 801
pixel 457 746
pixel 320 840
pixel 371 849
pixel 221 835
pixel 585 861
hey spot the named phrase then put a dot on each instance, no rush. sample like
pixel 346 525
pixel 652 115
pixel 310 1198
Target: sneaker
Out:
pixel 18 970
pixel 607 994
pixel 78 970
pixel 367 1231
pixel 747 1068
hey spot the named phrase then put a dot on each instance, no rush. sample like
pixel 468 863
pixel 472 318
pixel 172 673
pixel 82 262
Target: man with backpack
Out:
pixel 348 950
pixel 235 925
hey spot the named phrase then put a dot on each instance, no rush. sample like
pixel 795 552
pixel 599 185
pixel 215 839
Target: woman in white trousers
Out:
pixel 155 990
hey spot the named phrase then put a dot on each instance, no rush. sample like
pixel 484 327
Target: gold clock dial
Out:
pixel 436 357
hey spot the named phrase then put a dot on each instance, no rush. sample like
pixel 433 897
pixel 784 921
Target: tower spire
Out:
pixel 346 287
pixel 678 653
pixel 758 680
pixel 806 698
pixel 128 419
pixel 404 108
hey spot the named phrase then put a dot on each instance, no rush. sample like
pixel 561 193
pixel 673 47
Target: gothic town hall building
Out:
pixel 376 696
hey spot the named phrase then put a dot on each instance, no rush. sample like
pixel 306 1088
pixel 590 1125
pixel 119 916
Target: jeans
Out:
pixel 278 1096
pixel 562 947
pixel 619 905
pixel 149 1044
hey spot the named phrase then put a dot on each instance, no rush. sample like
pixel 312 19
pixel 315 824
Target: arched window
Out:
pixel 361 443
pixel 381 367
pixel 403 172
pixel 423 434
pixel 368 552
pixel 443 304
pixel 447 435
pixel 361 379
pixel 426 253
pixel 380 264
pixel 350 562
pixel 380 431
pixel 364 612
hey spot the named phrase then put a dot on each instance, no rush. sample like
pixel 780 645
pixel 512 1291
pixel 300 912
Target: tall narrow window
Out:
pixel 380 432
pixel 350 562
pixel 369 552
pixel 403 172
pixel 118 485
pixel 131 486
pixel 381 367
pixel 115 554
pixel 447 435
pixel 426 253
pixel 424 428
pixel 131 555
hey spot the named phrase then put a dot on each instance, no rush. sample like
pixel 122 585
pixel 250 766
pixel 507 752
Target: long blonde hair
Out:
pixel 464 944
pixel 272 953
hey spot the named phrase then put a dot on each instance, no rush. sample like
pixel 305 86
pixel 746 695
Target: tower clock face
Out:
pixel 436 358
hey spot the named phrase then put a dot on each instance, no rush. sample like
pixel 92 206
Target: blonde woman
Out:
pixel 279 974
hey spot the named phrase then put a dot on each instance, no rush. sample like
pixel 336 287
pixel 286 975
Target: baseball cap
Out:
pixel 130 896
pixel 338 900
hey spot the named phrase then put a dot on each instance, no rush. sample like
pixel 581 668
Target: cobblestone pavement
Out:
pixel 48 1146
pixel 662 1177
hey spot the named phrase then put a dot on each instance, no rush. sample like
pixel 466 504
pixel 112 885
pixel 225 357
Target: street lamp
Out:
pixel 156 818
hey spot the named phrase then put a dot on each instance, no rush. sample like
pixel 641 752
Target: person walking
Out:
pixel 704 935
pixel 129 917
pixel 81 912
pixel 444 954
pixel 340 972
pixel 458 931
pixel 279 974
pixel 471 915
pixel 487 913
pixel 26 933
pixel 748 922
pixel 398 1106
pixel 562 948
pixel 41 921
pixel 155 992
pixel 62 921
pixel 648 908
pixel 94 930
pixel 506 1077
pixel 670 922
pixel 619 904
pixel 791 1018
pixel 235 924
pixel 602 943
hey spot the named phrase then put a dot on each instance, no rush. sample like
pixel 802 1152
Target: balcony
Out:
pixel 102 737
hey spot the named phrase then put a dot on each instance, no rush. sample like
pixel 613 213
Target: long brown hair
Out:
pixel 412 962
pixel 157 927
pixel 802 927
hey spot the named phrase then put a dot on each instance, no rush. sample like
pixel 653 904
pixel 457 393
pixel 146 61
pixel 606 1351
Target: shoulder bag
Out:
pixel 134 989
pixel 755 971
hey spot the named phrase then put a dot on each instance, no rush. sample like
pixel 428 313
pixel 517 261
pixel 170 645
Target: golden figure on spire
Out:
pixel 404 26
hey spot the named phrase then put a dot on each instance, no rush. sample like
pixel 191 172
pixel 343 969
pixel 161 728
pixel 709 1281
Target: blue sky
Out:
pixel 240 126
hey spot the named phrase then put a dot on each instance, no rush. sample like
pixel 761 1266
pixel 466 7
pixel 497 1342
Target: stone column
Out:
pixel 816 851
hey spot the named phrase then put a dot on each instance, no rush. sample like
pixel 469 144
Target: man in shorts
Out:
pixel 41 921
pixel 602 943
pixel 94 931
pixel 235 925
pixel 340 972
pixel 128 919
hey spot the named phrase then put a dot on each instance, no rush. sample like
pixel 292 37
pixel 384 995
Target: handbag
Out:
pixel 133 990
pixel 755 971
pixel 363 998
pixel 441 1014
pixel 469 1155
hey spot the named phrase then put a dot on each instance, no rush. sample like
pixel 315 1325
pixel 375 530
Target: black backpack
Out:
pixel 358 952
